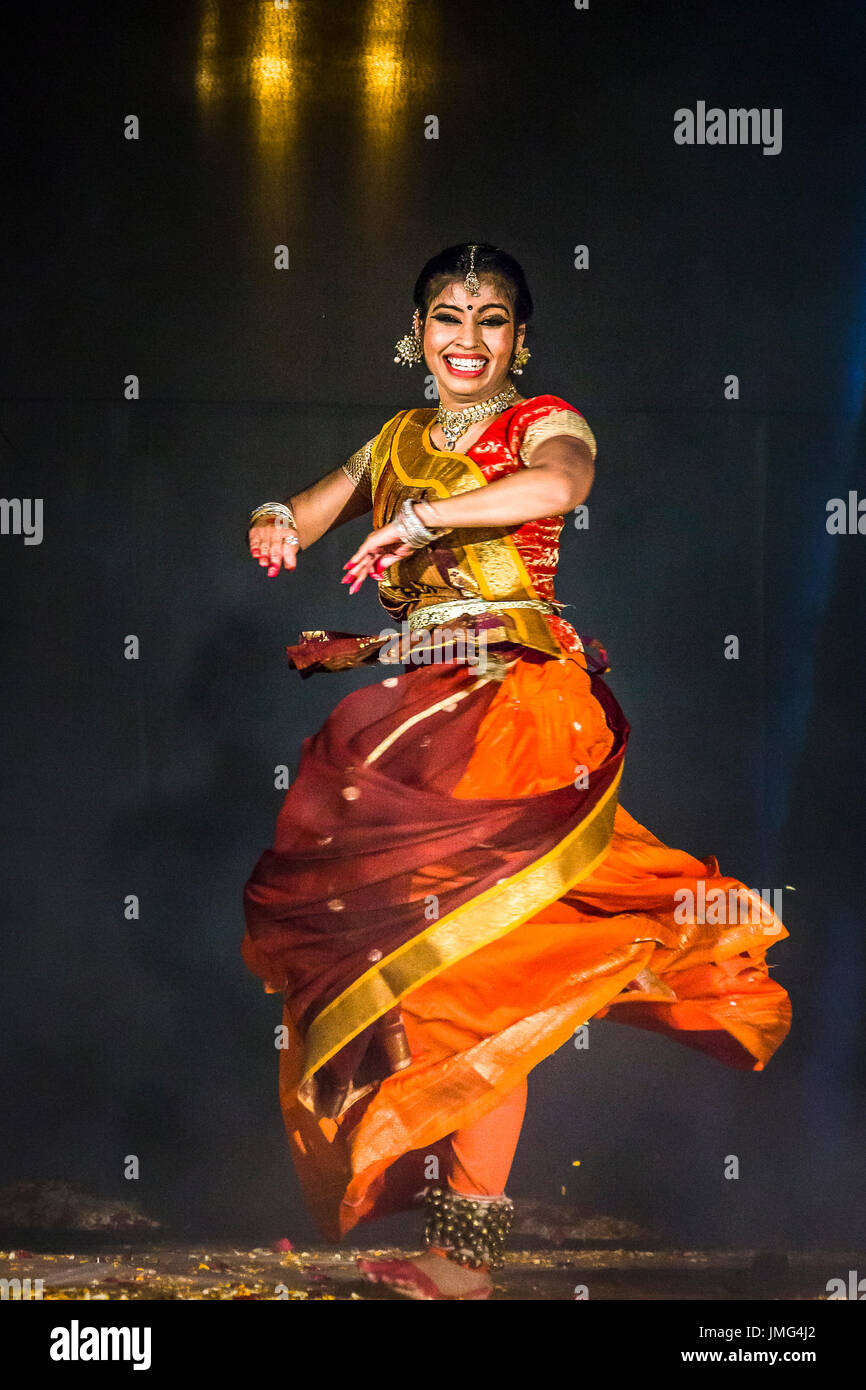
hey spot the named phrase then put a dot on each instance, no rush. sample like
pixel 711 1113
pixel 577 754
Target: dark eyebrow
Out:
pixel 482 308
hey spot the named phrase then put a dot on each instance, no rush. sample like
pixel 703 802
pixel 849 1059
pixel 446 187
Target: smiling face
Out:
pixel 469 342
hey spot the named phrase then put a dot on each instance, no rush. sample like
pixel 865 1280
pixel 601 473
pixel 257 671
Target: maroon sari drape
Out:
pixel 362 848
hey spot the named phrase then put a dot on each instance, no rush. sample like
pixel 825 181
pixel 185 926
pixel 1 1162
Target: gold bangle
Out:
pixel 274 511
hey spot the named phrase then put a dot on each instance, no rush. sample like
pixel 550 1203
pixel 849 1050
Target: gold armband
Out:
pixel 558 422
pixel 358 466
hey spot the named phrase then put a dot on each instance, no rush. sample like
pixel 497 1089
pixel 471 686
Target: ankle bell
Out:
pixel 471 1230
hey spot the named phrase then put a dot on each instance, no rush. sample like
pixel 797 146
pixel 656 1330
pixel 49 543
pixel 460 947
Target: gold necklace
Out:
pixel 455 423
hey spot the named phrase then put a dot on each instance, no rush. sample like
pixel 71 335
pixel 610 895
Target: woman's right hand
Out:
pixel 274 545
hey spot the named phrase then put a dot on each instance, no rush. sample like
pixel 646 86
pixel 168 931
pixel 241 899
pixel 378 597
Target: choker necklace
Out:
pixel 455 423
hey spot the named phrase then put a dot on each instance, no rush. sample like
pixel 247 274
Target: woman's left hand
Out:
pixel 374 555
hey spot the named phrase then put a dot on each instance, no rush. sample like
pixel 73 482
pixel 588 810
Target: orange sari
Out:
pixel 595 918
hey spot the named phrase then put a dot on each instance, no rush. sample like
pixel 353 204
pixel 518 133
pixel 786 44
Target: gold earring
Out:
pixel 520 360
pixel 409 347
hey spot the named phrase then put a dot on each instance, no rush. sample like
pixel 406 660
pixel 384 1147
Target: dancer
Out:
pixel 453 887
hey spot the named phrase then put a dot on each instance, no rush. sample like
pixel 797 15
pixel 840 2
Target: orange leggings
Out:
pixel 482 1153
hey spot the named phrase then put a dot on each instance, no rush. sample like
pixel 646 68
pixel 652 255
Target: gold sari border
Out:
pixel 496 565
pixel 484 919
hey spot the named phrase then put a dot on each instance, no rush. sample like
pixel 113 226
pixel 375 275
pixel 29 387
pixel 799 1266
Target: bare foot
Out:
pixel 428 1276
pixel 450 1277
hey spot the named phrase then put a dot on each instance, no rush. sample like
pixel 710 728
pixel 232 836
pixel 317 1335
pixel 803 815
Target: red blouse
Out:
pixel 503 448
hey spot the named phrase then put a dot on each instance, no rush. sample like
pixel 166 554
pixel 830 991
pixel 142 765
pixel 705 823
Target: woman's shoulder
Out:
pixel 540 417
pixel 403 414
pixel 536 407
pixel 417 415
pixel 385 433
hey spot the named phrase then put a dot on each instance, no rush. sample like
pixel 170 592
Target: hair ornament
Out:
pixel 471 284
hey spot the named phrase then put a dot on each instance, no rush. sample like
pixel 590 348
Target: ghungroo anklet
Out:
pixel 472 1230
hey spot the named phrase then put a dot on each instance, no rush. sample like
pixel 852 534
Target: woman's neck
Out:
pixel 472 432
pixel 450 402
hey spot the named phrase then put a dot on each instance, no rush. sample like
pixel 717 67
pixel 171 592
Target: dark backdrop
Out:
pixel 154 257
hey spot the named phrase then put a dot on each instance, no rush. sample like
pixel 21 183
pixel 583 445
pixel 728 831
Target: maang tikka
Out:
pixel 409 346
pixel 472 284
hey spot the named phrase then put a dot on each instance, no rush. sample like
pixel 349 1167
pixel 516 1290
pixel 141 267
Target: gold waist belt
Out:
pixel 435 613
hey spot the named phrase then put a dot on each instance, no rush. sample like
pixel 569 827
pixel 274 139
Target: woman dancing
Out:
pixel 453 888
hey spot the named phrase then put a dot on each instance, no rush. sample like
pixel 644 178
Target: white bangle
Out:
pixel 412 529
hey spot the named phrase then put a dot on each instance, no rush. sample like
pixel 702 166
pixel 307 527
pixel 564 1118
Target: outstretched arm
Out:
pixel 339 496
pixel 557 479
pixel 326 504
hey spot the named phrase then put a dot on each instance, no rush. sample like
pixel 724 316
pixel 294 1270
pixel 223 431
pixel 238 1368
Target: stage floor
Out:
pixel 226 1272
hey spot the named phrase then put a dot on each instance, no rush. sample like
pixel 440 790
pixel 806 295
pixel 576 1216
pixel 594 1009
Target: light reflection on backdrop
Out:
pixel 284 79
pixel 385 68
pixel 313 114
pixel 275 77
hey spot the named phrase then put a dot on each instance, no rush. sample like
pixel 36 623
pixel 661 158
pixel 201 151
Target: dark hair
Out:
pixel 453 264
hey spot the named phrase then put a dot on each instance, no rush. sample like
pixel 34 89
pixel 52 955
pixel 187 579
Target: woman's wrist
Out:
pixel 411 529
pixel 280 513
pixel 429 515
